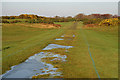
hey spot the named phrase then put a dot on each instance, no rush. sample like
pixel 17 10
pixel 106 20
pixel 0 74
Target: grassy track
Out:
pixel 104 50
pixel 20 42
pixel 79 63
pixel 103 43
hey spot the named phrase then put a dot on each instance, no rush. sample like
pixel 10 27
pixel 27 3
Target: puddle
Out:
pixel 42 55
pixel 73 35
pixel 54 46
pixel 66 51
pixel 59 57
pixel 59 39
pixel 35 66
pixel 62 36
pixel 24 70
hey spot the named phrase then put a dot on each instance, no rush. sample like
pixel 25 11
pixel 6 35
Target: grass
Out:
pixel 79 64
pixel 20 42
pixel 103 43
pixel 104 50
pixel 41 76
pixel 22 20
pixel 103 46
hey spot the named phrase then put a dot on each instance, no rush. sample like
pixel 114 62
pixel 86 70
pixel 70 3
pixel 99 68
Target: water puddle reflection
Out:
pixel 62 36
pixel 59 39
pixel 54 46
pixel 35 66
pixel 73 35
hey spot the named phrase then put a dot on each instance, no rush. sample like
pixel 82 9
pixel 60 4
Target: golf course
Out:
pixel 94 53
pixel 59 40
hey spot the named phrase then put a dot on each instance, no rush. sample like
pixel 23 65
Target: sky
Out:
pixel 58 7
pixel 60 0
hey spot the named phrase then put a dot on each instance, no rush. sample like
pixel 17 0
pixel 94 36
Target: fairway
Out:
pixel 22 42
pixel 94 53
pixel 71 40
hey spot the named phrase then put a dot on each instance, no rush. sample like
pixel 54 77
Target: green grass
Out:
pixel 104 50
pixel 103 43
pixel 22 20
pixel 20 42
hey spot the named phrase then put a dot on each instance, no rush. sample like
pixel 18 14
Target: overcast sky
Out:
pixel 60 0
pixel 53 8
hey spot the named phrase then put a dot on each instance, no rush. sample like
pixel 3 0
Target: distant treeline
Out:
pixel 30 18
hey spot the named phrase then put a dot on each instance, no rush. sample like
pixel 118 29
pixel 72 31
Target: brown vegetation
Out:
pixel 57 25
pixel 40 25
pixel 41 76
pixel 90 25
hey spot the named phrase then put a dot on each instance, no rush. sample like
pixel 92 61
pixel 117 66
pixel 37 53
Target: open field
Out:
pixel 20 42
pixel 104 51
pixel 59 40
pixel 103 46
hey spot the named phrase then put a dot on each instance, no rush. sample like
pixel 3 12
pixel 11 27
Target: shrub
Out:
pixel 5 21
pixel 91 21
pixel 15 21
pixel 109 22
pixel 32 21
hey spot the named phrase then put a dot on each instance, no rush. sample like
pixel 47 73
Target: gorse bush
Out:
pixel 40 21
pixel 5 21
pixel 32 21
pixel 109 22
pixel 102 22
pixel 91 21
pixel 15 21
pixel 86 19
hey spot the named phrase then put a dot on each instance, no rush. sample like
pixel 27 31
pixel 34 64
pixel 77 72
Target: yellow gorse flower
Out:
pixel 109 22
